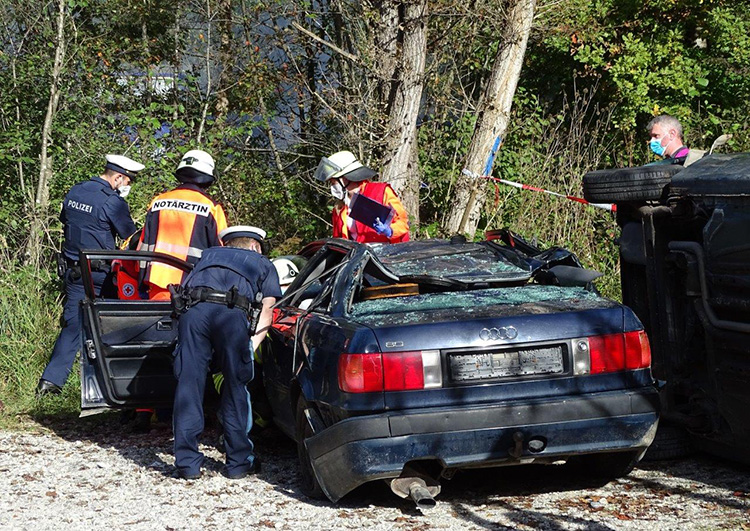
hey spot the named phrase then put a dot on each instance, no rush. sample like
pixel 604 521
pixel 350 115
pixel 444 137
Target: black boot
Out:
pixel 46 387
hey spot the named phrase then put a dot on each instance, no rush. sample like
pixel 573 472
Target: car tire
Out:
pixel 671 442
pixel 643 183
pixel 308 483
pixel 610 465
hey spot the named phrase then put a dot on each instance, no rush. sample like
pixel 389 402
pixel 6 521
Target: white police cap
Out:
pixel 124 165
pixel 242 231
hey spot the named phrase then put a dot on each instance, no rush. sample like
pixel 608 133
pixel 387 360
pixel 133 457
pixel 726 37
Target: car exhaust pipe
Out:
pixel 421 496
pixel 418 490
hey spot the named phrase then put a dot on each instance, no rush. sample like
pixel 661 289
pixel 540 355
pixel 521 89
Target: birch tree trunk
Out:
pixel 385 51
pixel 226 60
pixel 400 165
pixel 41 199
pixel 209 23
pixel 493 112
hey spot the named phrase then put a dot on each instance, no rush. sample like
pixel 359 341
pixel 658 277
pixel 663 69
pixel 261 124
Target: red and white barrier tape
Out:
pixel 605 206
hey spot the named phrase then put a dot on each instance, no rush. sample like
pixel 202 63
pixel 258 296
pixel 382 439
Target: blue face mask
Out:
pixel 656 146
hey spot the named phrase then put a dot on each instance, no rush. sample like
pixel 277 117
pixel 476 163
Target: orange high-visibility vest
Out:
pixel 181 223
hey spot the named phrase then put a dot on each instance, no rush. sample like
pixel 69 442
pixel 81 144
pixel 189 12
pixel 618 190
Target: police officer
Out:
pixel 216 299
pixel 93 214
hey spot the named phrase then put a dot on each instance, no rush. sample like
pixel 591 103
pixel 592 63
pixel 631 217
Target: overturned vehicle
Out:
pixel 411 361
pixel 685 262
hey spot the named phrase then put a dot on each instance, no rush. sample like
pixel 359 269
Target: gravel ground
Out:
pixel 90 473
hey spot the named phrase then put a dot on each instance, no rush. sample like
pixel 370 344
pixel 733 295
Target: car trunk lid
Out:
pixel 519 342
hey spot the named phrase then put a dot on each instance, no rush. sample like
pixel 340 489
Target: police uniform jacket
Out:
pixel 93 214
pixel 222 268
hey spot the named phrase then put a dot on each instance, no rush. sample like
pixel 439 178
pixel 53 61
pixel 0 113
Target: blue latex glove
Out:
pixel 382 228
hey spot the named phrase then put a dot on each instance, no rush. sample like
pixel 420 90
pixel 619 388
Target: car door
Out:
pixel 127 343
pixel 305 298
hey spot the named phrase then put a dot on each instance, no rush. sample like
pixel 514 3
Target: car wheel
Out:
pixel 643 183
pixel 671 442
pixel 606 466
pixel 308 482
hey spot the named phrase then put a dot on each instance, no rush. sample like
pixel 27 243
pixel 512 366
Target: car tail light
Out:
pixel 619 352
pixel 390 371
pixel 402 371
pixel 361 373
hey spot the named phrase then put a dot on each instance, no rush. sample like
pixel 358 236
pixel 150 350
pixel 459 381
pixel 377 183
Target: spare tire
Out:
pixel 643 183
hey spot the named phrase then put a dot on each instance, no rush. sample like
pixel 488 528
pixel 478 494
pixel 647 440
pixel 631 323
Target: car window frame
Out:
pixel 318 265
pixel 87 256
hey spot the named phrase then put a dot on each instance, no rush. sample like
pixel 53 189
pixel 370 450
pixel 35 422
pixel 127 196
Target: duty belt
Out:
pixel 230 299
pixel 183 299
pixel 66 264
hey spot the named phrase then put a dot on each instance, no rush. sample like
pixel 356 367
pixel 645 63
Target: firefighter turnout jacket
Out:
pixel 181 223
pixel 381 192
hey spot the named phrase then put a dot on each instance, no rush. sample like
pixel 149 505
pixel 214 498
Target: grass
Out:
pixel 30 312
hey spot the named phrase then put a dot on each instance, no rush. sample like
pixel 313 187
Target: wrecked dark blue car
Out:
pixel 409 362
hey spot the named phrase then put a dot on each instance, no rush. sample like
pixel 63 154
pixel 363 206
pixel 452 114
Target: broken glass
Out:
pixel 530 299
pixel 462 262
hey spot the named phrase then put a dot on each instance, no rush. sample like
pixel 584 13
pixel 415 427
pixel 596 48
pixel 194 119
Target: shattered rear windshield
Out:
pixel 470 301
pixel 463 262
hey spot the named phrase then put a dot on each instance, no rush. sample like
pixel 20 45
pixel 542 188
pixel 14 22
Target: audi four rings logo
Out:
pixel 493 334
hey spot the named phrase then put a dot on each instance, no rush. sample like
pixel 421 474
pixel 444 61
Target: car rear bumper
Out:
pixel 361 449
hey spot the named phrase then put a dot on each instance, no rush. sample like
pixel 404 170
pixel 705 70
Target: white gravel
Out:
pixel 92 473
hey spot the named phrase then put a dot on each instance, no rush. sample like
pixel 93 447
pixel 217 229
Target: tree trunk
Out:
pixel 209 88
pixel 17 104
pixel 175 63
pixel 385 51
pixel 147 63
pixel 226 60
pixel 41 200
pixel 400 165
pixel 493 112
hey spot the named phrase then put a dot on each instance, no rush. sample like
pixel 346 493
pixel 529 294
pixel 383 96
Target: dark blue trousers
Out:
pixel 69 341
pixel 204 328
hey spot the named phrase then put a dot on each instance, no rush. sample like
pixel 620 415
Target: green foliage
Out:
pixel 685 57
pixel 154 79
pixel 443 140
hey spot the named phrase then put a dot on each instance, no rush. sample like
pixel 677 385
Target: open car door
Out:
pixel 127 341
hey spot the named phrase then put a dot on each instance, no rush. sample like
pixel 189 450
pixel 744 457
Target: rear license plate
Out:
pixel 484 366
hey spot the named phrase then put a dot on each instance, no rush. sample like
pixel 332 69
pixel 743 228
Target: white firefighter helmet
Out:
pixel 286 270
pixel 198 160
pixel 343 164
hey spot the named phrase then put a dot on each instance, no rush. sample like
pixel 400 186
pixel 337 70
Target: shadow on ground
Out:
pixel 503 488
